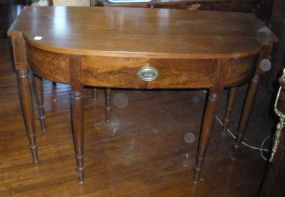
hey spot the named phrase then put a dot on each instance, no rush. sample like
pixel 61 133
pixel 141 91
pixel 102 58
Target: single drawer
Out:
pixel 147 73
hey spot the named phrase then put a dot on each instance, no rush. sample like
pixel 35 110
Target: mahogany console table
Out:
pixel 138 48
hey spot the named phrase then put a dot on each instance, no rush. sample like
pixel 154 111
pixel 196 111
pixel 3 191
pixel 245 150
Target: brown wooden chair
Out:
pixel 37 81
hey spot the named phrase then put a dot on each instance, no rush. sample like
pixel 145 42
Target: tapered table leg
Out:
pixel 229 109
pixel 249 100
pixel 208 121
pixel 78 130
pixel 38 89
pixel 77 119
pixel 108 106
pixel 27 110
pixel 264 66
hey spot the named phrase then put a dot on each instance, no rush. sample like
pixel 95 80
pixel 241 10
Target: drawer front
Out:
pixel 147 73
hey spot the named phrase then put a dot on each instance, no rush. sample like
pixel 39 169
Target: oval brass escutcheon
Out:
pixel 148 73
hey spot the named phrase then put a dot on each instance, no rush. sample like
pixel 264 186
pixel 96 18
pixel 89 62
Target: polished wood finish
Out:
pixel 137 38
pixel 66 3
pixel 250 97
pixel 208 121
pixel 77 114
pixel 122 72
pixel 230 103
pixel 25 93
pixel 38 89
pixel 222 68
pixel 124 40
pixel 142 153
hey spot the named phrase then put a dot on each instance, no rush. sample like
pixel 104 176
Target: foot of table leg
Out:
pixel 38 89
pixel 230 104
pixel 27 110
pixel 78 130
pixel 208 121
pixel 108 104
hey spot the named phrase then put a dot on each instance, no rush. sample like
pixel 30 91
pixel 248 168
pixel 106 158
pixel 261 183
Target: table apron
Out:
pixel 122 72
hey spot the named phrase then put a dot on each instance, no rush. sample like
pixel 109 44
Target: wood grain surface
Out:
pixel 142 153
pixel 141 32
pixel 200 49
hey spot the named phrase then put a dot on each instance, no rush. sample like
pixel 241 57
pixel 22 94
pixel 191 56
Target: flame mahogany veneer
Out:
pixel 106 47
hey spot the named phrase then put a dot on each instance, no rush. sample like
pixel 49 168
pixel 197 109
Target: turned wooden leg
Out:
pixel 38 89
pixel 108 104
pixel 27 110
pixel 78 130
pixel 230 104
pixel 264 66
pixel 77 119
pixel 208 121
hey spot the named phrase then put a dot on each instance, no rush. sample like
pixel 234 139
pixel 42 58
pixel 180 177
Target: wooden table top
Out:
pixel 140 32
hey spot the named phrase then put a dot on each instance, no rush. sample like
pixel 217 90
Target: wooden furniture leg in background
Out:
pixel 250 97
pixel 77 118
pixel 230 103
pixel 108 106
pixel 208 121
pixel 38 89
pixel 264 65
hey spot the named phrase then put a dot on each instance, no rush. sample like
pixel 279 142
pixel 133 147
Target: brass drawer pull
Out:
pixel 265 65
pixel 148 73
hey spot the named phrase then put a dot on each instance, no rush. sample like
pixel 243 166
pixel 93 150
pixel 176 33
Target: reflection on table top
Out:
pixel 151 32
